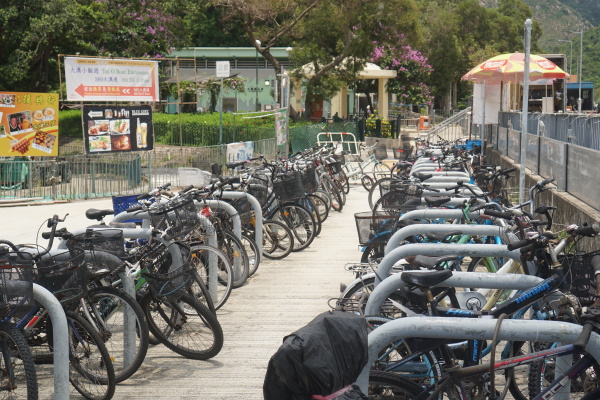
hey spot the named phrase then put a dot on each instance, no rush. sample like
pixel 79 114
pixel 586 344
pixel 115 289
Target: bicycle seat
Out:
pixel 440 236
pixel 425 279
pixel 422 176
pixel 232 165
pixel 436 201
pixel 428 262
pixel 98 215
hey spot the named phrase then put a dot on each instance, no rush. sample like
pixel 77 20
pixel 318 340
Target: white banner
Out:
pixel 101 79
pixel 241 151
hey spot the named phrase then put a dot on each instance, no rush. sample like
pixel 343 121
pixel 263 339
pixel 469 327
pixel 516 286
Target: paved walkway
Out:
pixel 282 297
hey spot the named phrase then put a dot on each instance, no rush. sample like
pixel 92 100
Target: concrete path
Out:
pixel 282 297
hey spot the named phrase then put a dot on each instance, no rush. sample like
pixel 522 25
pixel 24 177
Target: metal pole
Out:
pixel 483 124
pixel 221 113
pixel 525 111
pixel 256 87
pixel 580 78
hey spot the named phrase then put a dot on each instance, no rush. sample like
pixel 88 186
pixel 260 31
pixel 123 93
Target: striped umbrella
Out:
pixel 510 67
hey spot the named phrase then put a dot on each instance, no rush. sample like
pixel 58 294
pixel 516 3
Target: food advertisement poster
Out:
pixel 101 79
pixel 28 124
pixel 110 129
pixel 240 151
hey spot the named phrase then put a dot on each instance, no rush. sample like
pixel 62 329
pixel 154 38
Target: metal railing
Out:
pixel 93 176
pixel 452 128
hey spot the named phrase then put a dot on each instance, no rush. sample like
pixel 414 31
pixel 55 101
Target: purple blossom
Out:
pixel 151 30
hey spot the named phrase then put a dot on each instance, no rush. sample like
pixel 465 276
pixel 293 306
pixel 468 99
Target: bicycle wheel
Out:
pixel 278 240
pixel 221 284
pixel 109 310
pixel 301 222
pixel 344 182
pixel 232 246
pixel 375 191
pixel 336 198
pixel 544 372
pixel 253 254
pixel 91 369
pixel 320 205
pixel 184 326
pixel 325 197
pixel 367 182
pixel 388 386
pixel 381 170
pixel 17 369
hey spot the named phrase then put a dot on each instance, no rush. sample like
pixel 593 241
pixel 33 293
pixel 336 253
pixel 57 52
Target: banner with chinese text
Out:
pixel 28 124
pixel 109 129
pixel 281 126
pixel 100 79
pixel 240 151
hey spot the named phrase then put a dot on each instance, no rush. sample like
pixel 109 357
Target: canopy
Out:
pixel 510 67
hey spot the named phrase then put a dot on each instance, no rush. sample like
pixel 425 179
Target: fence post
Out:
pixel 378 127
pixel 565 185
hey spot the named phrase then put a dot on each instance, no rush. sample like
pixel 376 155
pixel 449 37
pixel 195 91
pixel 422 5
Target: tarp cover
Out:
pixel 320 359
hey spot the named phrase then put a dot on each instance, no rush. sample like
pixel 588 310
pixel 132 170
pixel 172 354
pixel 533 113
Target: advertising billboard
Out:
pixel 110 129
pixel 101 79
pixel 28 124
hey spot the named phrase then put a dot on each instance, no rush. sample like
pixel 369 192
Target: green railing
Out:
pixel 198 134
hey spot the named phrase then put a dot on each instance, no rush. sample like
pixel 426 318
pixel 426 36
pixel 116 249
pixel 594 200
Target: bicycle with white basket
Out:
pixel 369 170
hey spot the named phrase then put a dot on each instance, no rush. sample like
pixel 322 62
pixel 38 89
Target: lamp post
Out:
pixel 571 57
pixel 579 78
pixel 258 43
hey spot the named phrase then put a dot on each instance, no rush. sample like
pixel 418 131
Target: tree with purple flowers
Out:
pixel 412 67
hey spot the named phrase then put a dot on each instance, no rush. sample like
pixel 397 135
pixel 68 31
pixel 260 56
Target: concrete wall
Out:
pixel 570 209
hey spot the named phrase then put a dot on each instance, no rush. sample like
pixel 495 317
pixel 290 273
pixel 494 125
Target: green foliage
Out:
pixel 69 123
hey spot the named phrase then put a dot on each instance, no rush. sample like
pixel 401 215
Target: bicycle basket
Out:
pixel 579 276
pixel 16 281
pixel 335 167
pixel 375 228
pixel 109 240
pixel 310 181
pixel 288 187
pixel 260 192
pixel 177 217
pixel 63 274
pixel 398 197
pixel 167 278
pixel 244 209
pixel 388 186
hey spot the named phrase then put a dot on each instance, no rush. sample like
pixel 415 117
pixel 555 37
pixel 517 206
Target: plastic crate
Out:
pixel 122 203
pixel 472 143
pixel 193 176
pixel 375 228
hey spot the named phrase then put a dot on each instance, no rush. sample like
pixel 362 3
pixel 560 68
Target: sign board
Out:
pixel 110 129
pixel 100 79
pixel 223 69
pixel 28 124
pixel 281 127
pixel 241 151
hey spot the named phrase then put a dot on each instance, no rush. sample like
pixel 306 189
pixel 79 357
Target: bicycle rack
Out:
pixel 223 205
pixel 61 340
pixel 467 328
pixel 465 229
pixel 438 213
pixel 442 249
pixel 258 216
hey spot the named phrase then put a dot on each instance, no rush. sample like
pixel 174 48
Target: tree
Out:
pixel 340 35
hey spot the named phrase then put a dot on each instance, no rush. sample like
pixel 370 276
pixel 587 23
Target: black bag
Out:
pixel 324 357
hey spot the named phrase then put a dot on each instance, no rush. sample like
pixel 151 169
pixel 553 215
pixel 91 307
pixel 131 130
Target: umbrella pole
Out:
pixel 524 113
pixel 483 124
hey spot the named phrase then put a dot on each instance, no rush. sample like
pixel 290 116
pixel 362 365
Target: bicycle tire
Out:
pixel 186 326
pixel 91 372
pixel 337 203
pixel 278 240
pixel 320 205
pixel 375 192
pixel 301 222
pixel 233 247
pixel 199 291
pixel 381 170
pixel 201 256
pixel 387 385
pixel 325 197
pixel 367 182
pixel 19 379
pixel 254 257
pixel 344 182
pixel 109 309
pixel 307 204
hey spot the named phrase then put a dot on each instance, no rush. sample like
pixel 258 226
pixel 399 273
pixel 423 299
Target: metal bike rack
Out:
pixel 61 340
pixel 467 328
pixel 427 213
pixel 223 205
pixel 258 216
pixel 475 230
pixel 486 280
pixel 442 249
pixel 129 319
